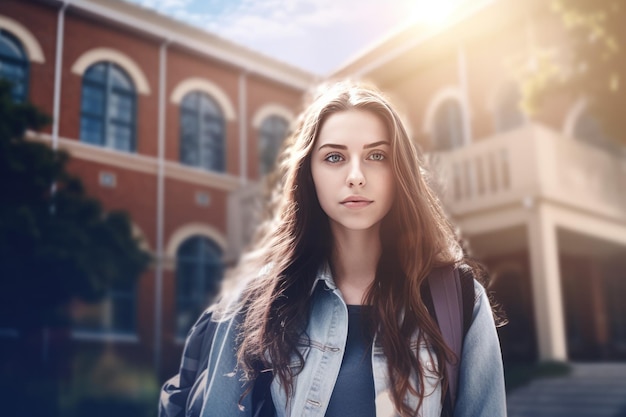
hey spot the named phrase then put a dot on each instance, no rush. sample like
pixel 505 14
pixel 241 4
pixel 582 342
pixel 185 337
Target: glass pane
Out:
pixel 209 107
pixel 211 146
pixel 271 136
pixel 96 72
pixel 91 130
pixel 119 79
pixel 185 275
pixel 15 73
pixel 212 274
pixel 189 138
pixel 121 107
pixel 92 99
pixel 120 137
pixel 10 47
pixel 588 129
pixel 210 252
pixel 448 129
pixel 190 102
pixel 198 273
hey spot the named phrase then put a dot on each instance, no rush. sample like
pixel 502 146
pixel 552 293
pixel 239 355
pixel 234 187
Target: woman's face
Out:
pixel 351 170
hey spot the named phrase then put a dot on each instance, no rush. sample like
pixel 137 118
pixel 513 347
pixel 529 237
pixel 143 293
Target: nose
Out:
pixel 355 176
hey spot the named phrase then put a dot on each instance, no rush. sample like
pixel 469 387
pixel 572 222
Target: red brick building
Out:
pixel 162 120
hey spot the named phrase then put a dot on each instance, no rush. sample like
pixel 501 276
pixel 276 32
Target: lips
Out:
pixel 355 201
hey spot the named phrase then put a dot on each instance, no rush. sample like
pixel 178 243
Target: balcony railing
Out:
pixel 531 163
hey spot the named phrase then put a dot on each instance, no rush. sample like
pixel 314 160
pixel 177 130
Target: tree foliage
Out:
pixel 589 64
pixel 54 245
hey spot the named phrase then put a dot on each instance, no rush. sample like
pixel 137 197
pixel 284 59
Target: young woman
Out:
pixel 331 317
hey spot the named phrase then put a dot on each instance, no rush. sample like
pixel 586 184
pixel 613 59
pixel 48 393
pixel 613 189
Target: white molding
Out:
pixel 101 154
pixel 201 84
pixel 141 163
pixel 271 109
pixel 29 41
pixel 107 54
pixel 200 176
pixel 194 229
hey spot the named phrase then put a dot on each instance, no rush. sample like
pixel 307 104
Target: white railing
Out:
pixel 532 162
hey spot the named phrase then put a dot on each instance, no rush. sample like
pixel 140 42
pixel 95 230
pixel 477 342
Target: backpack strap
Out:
pixel 452 301
pixel 445 288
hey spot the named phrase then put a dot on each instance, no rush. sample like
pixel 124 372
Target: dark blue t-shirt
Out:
pixel 354 394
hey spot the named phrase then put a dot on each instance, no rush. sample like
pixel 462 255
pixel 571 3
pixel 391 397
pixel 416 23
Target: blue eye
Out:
pixel 333 158
pixel 378 156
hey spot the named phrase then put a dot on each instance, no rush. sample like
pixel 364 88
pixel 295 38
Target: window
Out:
pixel 198 274
pixel 271 135
pixel 202 132
pixel 589 130
pixel 116 314
pixel 14 65
pixel 448 129
pixel 108 108
pixel 507 111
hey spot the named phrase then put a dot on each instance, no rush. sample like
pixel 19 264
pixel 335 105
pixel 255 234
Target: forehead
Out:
pixel 353 127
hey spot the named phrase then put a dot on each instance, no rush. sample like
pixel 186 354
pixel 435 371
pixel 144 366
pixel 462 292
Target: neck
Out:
pixel 354 260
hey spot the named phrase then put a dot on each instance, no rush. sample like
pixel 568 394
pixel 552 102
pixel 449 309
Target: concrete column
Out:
pixel 546 285
pixel 465 101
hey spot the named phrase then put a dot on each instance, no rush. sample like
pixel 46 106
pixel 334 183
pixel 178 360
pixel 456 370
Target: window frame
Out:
pixel 107 120
pixel 273 140
pixel 199 261
pixel 199 115
pixel 24 63
pixel 456 130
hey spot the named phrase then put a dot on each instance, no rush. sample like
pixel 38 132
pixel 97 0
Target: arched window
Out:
pixel 14 65
pixel 202 132
pixel 108 108
pixel 271 136
pixel 198 274
pixel 507 112
pixel 588 129
pixel 448 126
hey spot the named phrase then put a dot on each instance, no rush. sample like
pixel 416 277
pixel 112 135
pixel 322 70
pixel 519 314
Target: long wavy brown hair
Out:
pixel 295 240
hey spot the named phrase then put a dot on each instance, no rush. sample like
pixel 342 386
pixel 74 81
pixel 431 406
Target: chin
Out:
pixel 358 225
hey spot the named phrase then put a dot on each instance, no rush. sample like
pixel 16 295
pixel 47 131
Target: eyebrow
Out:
pixel 343 147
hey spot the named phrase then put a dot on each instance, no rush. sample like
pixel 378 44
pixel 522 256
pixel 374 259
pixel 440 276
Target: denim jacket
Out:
pixel 481 378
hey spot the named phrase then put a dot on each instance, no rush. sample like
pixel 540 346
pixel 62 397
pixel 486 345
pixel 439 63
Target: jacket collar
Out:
pixel 324 275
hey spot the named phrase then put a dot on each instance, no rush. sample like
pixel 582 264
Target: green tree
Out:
pixel 55 246
pixel 590 63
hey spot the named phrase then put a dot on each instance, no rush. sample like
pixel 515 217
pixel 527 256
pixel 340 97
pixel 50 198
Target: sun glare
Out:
pixel 433 13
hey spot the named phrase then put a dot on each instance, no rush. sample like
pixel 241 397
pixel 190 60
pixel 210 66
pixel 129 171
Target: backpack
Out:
pixel 448 295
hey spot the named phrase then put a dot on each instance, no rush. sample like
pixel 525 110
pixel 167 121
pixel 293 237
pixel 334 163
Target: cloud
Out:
pixel 317 35
pixel 164 5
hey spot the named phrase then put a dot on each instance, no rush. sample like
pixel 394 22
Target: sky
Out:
pixel 316 35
